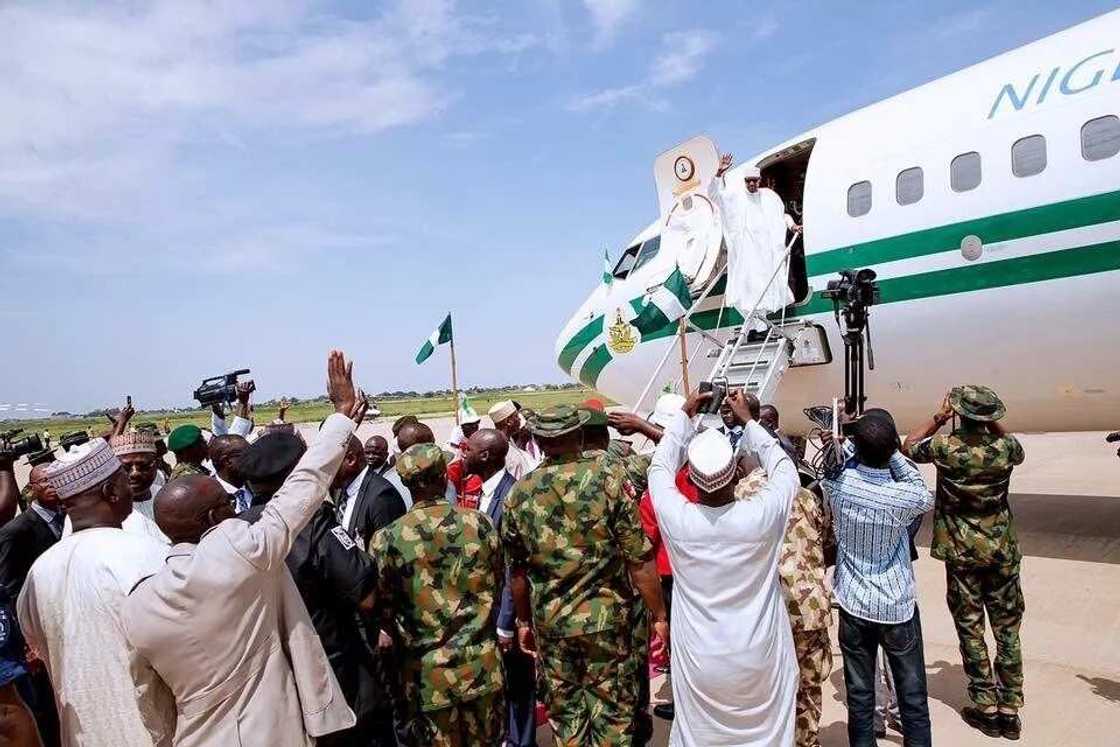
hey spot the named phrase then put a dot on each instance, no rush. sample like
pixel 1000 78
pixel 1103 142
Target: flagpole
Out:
pixel 681 329
pixel 454 380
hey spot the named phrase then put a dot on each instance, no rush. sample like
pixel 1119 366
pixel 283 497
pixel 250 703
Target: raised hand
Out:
pixel 742 403
pixel 244 389
pixel 695 401
pixel 725 162
pixel 626 423
pixel 361 407
pixel 340 383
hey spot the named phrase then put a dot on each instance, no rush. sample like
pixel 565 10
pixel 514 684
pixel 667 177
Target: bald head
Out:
pixel 185 508
pixel 485 452
pixel 377 451
pixel 412 433
pixel 43 493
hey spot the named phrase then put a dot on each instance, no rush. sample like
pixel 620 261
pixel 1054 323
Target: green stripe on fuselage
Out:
pixel 1085 260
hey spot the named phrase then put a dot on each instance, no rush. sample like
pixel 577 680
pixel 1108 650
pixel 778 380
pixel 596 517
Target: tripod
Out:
pixel 856 331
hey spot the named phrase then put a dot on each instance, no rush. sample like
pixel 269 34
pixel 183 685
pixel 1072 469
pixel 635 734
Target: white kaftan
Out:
pixel 137 522
pixel 69 612
pixel 734 669
pixel 754 227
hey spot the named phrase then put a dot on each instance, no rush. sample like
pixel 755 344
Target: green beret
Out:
pixel 184 437
pixel 557 421
pixel 976 403
pixel 421 462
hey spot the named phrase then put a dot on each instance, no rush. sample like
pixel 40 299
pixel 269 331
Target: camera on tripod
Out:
pixel 854 288
pixel 13 448
pixel 219 389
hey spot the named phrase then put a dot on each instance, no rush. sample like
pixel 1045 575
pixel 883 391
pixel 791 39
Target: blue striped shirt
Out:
pixel 871 509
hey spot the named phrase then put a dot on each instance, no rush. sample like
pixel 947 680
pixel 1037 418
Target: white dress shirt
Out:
pixel 240 427
pixel 488 489
pixel 352 497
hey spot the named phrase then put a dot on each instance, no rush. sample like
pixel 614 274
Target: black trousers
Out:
pixel 521 698
pixel 859 642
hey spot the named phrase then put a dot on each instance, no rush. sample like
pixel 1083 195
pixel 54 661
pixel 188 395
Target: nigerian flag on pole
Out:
pixel 665 305
pixel 439 337
pixel 608 275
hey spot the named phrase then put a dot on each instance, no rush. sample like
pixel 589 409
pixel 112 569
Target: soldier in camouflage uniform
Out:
pixel 570 531
pixel 189 447
pixel 801 571
pixel 440 568
pixel 974 534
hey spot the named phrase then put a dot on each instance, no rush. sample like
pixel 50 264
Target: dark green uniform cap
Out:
pixel 557 421
pixel 184 437
pixel 420 463
pixel 976 402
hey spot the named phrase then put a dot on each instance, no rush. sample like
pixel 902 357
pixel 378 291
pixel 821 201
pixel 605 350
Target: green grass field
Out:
pixel 316 411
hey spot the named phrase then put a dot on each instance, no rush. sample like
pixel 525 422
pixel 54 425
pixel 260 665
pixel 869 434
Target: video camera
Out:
pixel 854 288
pixel 219 389
pixel 13 448
pixel 72 439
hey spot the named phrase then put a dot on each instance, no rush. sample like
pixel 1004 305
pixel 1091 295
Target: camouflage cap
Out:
pixel 976 402
pixel 421 462
pixel 557 421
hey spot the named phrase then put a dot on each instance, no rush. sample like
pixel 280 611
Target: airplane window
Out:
pixel 1028 156
pixel 964 172
pixel 909 186
pixel 626 262
pixel 1100 138
pixel 649 251
pixel 859 199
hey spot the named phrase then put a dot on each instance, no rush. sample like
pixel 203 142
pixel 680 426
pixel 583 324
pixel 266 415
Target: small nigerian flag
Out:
pixel 608 275
pixel 439 337
pixel 666 305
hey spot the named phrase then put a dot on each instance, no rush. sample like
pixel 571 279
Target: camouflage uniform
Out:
pixel 974 535
pixel 570 526
pixel 440 568
pixel 182 469
pixel 635 465
pixel 801 571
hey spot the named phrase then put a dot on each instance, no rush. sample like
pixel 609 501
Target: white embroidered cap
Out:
pixel 137 442
pixel 711 461
pixel 502 410
pixel 82 467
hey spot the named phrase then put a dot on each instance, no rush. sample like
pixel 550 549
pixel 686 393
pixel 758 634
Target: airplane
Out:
pixel 988 204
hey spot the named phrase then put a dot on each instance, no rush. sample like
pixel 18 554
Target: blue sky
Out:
pixel 187 189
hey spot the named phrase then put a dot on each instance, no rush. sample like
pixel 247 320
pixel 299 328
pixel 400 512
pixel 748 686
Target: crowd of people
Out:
pixel 265 590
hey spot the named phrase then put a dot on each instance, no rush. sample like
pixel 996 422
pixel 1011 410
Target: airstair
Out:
pixel 756 366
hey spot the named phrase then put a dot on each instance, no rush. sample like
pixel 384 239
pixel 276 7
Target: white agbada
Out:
pixel 734 668
pixel 754 227
pixel 69 612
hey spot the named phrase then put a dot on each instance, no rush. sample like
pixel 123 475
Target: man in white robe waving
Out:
pixel 734 669
pixel 754 227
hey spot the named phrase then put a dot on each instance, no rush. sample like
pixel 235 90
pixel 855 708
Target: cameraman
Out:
pixel 9 491
pixel 243 417
pixel 874 498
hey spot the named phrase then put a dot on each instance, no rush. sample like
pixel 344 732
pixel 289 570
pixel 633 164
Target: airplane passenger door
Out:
pixel 691 230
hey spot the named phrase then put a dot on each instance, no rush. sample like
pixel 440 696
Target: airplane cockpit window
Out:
pixel 649 250
pixel 1028 156
pixel 859 199
pixel 909 186
pixel 1100 138
pixel 964 172
pixel 626 262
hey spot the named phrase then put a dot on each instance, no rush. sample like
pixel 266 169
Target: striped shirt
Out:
pixel 871 510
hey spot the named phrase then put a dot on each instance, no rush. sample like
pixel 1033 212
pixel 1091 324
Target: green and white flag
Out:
pixel 665 305
pixel 608 274
pixel 439 337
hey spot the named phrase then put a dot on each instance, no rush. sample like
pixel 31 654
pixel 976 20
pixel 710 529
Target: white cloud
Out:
pixel 683 59
pixel 101 100
pixel 607 16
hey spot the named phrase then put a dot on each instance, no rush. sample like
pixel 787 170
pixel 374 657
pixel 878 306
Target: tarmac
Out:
pixel 1066 503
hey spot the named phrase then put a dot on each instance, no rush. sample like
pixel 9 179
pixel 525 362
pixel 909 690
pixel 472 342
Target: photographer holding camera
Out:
pixel 874 498
pixel 242 418
pixel 11 449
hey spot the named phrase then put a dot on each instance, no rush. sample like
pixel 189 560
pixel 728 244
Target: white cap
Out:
pixel 502 410
pixel 667 407
pixel 469 416
pixel 82 467
pixel 711 461
pixel 752 172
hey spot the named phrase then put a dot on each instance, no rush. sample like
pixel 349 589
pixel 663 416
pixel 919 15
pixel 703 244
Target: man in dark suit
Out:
pixel 365 501
pixel 485 456
pixel 22 541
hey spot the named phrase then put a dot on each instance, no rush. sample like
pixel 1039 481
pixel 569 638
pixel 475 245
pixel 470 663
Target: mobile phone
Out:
pixel 128 400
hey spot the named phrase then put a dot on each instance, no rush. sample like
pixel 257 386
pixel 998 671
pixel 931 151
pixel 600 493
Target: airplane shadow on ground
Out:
pixel 1102 687
pixel 1063 527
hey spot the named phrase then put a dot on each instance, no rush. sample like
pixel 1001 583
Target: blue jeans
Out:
pixel 859 642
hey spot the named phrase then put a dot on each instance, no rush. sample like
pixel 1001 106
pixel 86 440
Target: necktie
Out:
pixel 57 523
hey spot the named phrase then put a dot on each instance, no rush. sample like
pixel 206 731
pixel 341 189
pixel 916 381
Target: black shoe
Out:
pixel 664 710
pixel 987 723
pixel 1010 726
